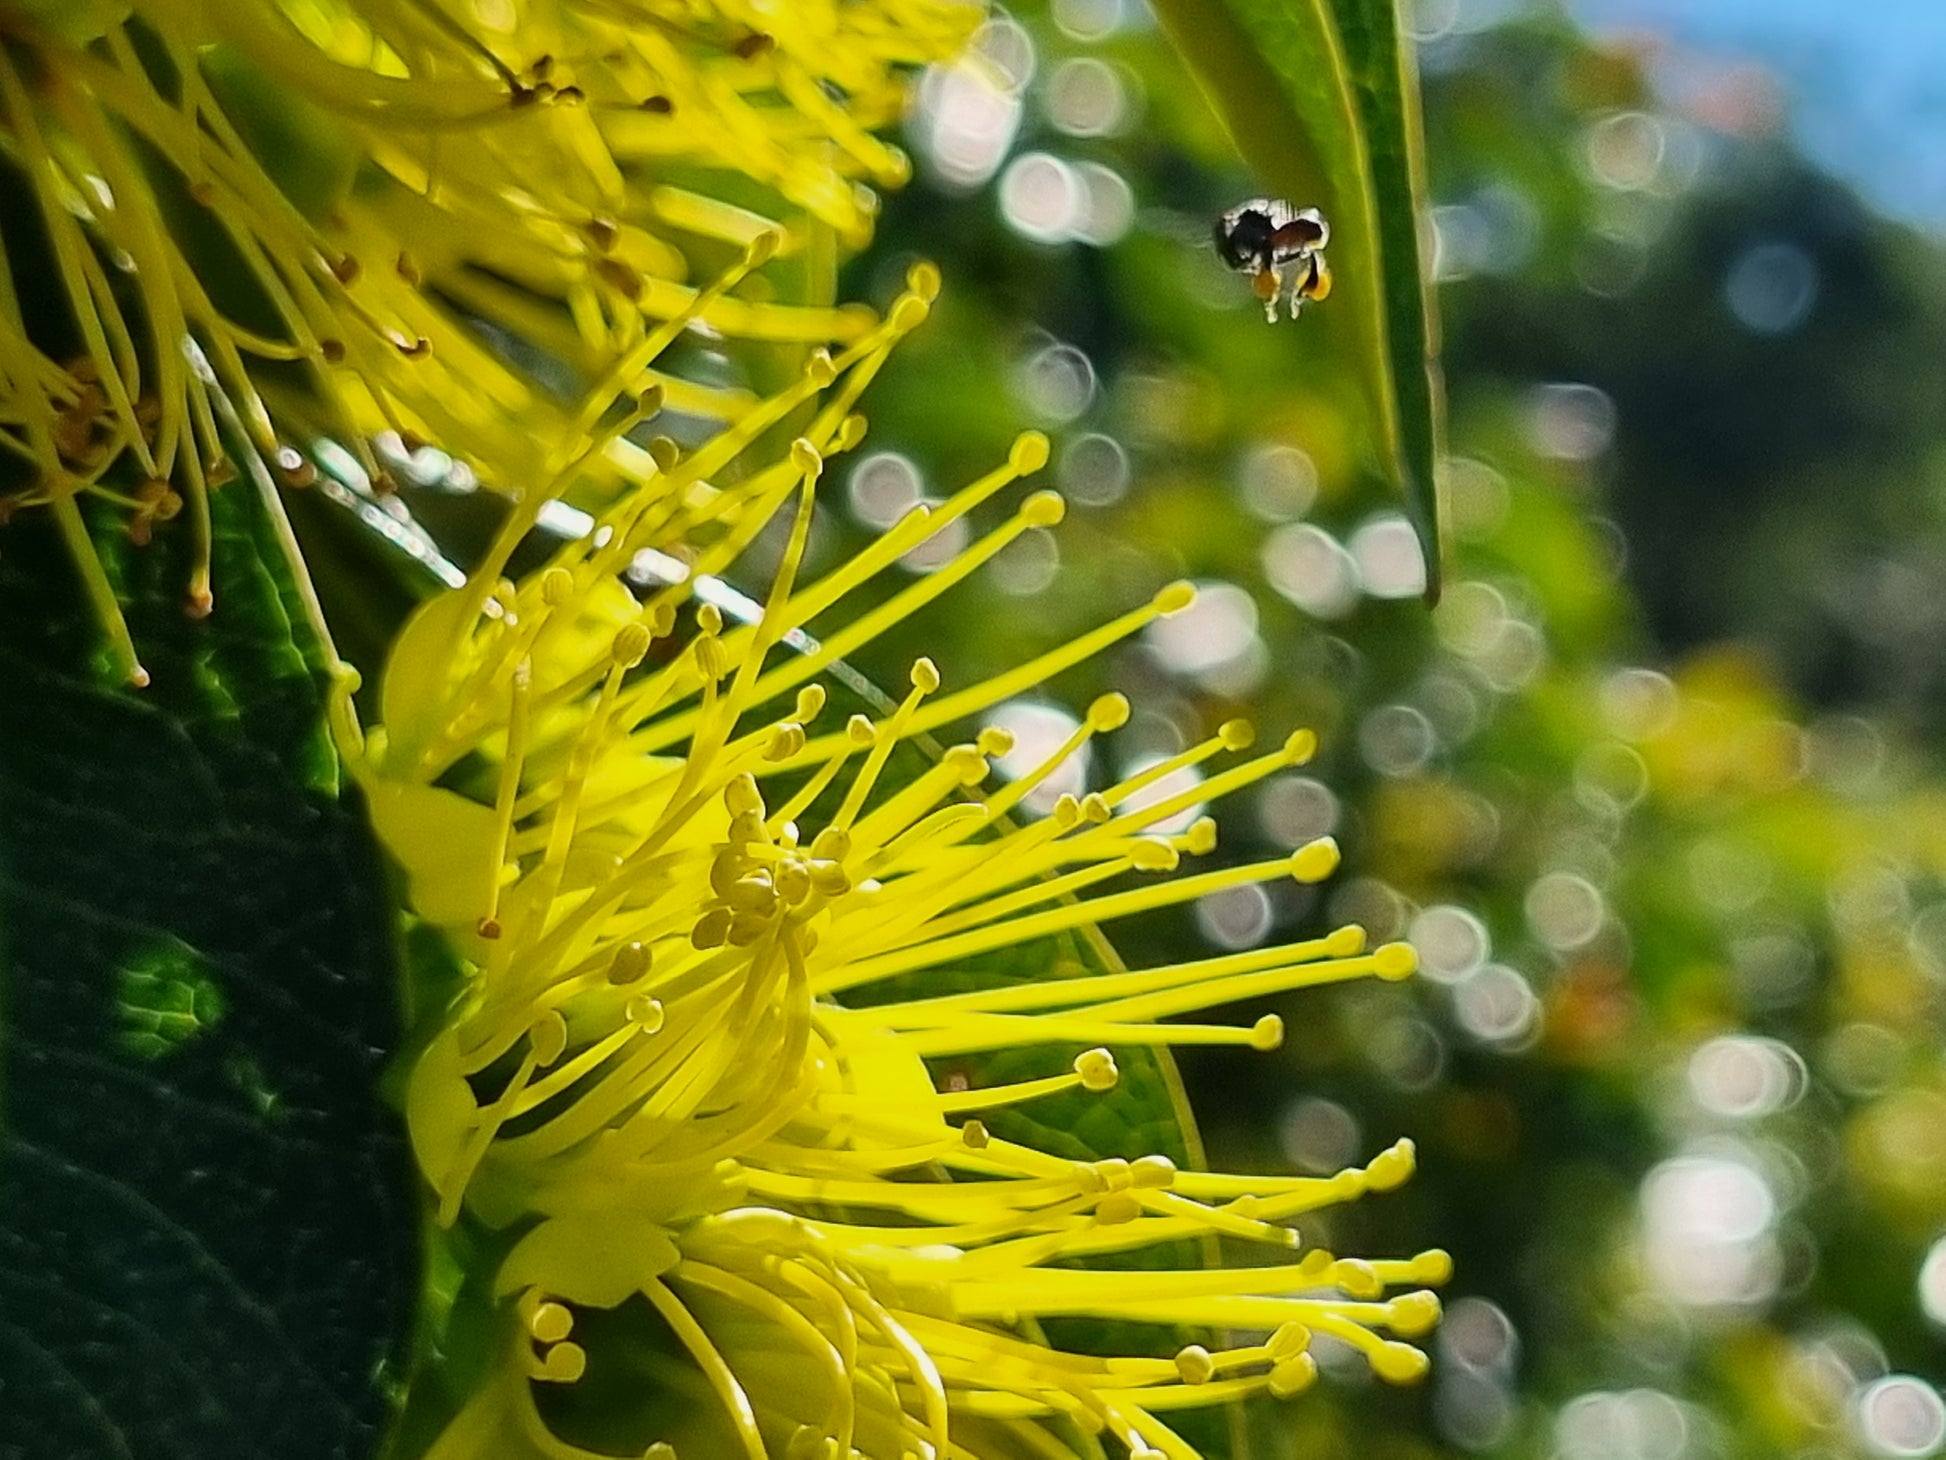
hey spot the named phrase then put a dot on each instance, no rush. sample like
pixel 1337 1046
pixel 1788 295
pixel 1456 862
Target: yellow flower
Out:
pixel 307 206
pixel 713 943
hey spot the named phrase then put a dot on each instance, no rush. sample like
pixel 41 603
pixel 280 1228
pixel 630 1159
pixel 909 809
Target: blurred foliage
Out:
pixel 1674 1073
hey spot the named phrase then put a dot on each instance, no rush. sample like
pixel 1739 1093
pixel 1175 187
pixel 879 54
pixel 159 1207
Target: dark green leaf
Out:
pixel 207 1215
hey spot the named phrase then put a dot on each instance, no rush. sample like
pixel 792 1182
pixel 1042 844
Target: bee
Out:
pixel 1267 236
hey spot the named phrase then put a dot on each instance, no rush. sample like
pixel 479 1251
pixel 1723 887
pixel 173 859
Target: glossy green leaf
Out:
pixel 208 1218
pixel 1321 98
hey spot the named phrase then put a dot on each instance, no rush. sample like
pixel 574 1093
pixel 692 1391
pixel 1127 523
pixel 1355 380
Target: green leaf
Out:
pixel 1322 101
pixel 208 1219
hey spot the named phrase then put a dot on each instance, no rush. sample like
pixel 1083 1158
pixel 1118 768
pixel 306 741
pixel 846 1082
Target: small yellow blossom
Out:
pixel 718 944
pixel 301 213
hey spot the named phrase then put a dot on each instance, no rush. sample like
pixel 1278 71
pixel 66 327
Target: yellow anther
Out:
pixel 1412 1315
pixel 1153 854
pixel 1392 1167
pixel 548 1037
pixel 925 676
pixel 747 827
pixel 1435 1265
pixel 557 586
pixel 747 926
pixel 1194 1363
pixel 1287 1342
pixel 967 761
pixel 562 1364
pixel 630 644
pixel 1087 1178
pixel 1236 734
pixel 1029 452
pixel 1116 1173
pixel 664 453
pixel 1097 1070
pixel 810 702
pixel 1117 1208
pixel 1315 861
pixel 1357 1277
pixel 1109 711
pixel 712 929
pixel 762 249
pixel 1095 808
pixel 1400 1363
pixel 1201 836
pixel 832 844
pixel 974 1134
pixel 1067 811
pixel 859 730
pixel 784 740
pixel 851 431
pixel 742 794
pixel 1300 746
pixel 818 369
pixel 909 312
pixel 1044 509
pixel 793 881
pixel 1345 942
pixel 662 620
pixel 805 457
pixel 995 741
pixel 709 618
pixel 630 964
pixel 550 1323
pixel 829 878
pixel 1293 1376
pixel 923 279
pixel 648 400
pixel 712 657
pixel 1395 961
pixel 644 1013
pixel 1267 1033
pixel 754 893
pixel 1174 598
pixel 1152 1173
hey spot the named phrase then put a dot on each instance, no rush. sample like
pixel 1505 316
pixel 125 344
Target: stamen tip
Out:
pixel 1400 1363
pixel 1030 452
pixel 1267 1033
pixel 1097 1070
pixel 1043 509
pixel 1236 734
pixel 1300 746
pixel 1345 942
pixel 1293 1376
pixel 923 280
pixel 806 458
pixel 910 312
pixel 762 249
pixel 1174 598
pixel 1392 1167
pixel 548 1037
pixel 1194 1363
pixel 1109 712
pixel 1395 961
pixel 1413 1315
pixel 1315 861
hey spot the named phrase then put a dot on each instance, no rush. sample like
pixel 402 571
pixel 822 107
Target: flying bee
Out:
pixel 1266 236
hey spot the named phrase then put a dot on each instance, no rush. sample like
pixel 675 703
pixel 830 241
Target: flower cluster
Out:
pixel 340 217
pixel 718 951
